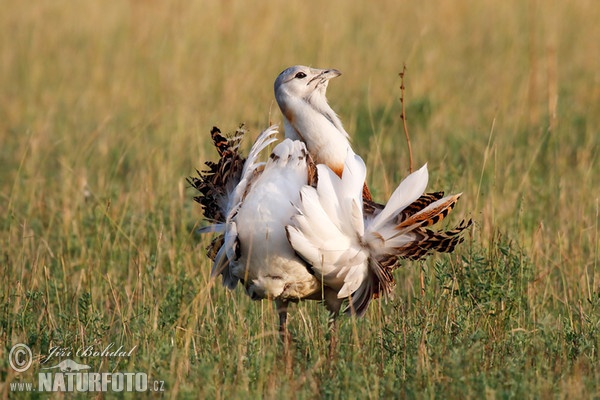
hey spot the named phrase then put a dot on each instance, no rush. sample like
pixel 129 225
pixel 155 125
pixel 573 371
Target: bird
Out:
pixel 303 225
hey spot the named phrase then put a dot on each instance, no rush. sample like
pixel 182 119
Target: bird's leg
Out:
pixel 281 305
pixel 333 304
pixel 332 333
pixel 286 338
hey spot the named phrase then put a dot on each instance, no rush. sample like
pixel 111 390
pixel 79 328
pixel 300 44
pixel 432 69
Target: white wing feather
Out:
pixel 409 190
pixel 264 139
pixel 327 230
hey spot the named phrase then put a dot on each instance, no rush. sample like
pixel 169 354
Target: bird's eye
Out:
pixel 300 75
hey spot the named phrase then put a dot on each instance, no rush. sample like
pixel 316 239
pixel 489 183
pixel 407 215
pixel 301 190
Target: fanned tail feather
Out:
pixel 322 235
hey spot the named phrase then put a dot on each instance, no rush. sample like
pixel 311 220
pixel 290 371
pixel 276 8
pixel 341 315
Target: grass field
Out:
pixel 106 107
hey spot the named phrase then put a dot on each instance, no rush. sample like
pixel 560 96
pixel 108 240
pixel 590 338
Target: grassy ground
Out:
pixel 105 108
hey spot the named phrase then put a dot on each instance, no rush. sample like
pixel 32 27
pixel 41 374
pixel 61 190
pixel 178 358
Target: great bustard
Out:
pixel 302 225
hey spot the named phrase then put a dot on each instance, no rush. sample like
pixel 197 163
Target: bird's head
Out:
pixel 300 93
pixel 300 82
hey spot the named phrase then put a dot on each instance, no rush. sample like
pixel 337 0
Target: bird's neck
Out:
pixel 290 131
pixel 317 125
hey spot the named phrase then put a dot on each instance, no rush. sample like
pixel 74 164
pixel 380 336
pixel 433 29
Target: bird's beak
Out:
pixel 324 75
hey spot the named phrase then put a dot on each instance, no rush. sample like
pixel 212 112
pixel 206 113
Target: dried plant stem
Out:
pixel 410 157
pixel 403 116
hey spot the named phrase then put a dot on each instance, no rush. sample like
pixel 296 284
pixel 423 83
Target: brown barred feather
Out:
pixel 419 204
pixel 213 248
pixel 367 193
pixel 383 267
pixel 371 207
pixel 227 146
pixel 428 241
pixel 312 177
pixel 429 217
pixel 220 142
pixel 215 182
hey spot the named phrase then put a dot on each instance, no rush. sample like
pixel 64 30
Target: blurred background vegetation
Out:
pixel 105 108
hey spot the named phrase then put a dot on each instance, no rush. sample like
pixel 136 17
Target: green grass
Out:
pixel 106 108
